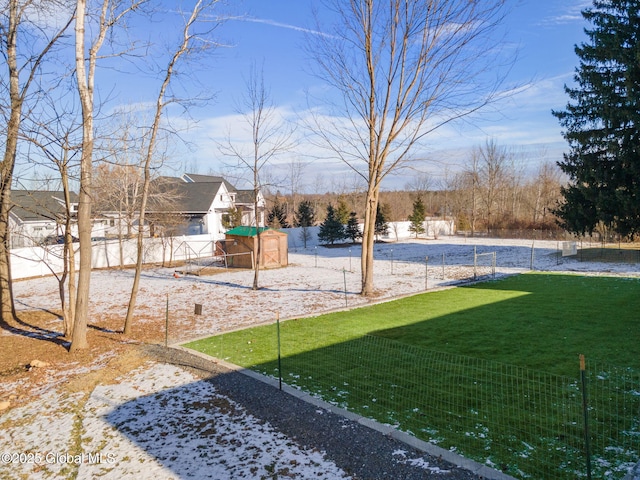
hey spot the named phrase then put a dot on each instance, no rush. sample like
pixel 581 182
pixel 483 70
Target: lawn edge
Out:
pixel 477 468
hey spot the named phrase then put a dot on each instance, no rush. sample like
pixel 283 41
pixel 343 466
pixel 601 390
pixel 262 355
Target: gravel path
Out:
pixel 361 452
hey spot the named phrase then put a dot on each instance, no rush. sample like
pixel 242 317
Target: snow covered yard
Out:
pixel 152 420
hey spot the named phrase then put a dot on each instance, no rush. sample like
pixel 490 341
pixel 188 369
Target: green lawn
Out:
pixel 540 321
pixel 490 370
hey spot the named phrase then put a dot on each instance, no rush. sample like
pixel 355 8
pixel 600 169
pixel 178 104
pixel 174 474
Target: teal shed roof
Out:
pixel 244 231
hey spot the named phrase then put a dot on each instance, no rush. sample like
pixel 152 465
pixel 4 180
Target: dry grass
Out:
pixel 35 335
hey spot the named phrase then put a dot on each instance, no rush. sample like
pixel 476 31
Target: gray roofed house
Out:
pixel 195 204
pixel 36 215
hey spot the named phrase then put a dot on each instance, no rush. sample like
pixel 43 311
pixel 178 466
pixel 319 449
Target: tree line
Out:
pixel 492 192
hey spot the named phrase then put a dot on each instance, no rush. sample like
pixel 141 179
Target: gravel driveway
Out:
pixel 360 451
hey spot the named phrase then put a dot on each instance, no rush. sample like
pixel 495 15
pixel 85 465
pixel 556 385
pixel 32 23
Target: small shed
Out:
pixel 242 244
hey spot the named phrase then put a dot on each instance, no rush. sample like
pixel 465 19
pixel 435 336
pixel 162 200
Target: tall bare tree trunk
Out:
pixel 8 163
pixel 85 90
pixel 368 241
pixel 401 68
pixel 6 289
pixel 256 266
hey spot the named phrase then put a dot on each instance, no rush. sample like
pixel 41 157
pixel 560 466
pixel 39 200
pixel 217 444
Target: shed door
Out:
pixel 271 252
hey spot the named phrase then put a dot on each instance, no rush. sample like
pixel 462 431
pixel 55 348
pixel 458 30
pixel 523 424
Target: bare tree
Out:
pixel 25 46
pixel 110 14
pixel 421 185
pixel 493 165
pixel 402 69
pixel 269 137
pixel 544 193
pixel 118 177
pixel 185 46
pixel 296 168
pixel 56 138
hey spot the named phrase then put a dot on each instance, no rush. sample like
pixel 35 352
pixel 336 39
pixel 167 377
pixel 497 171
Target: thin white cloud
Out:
pixel 572 13
pixel 274 23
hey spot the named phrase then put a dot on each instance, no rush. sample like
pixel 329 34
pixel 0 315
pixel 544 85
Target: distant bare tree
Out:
pixel 469 181
pixel 493 177
pixel 296 167
pixel 544 192
pixel 269 137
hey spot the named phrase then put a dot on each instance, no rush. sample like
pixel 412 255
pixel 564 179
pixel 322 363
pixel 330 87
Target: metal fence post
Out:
pixel 532 255
pixel 166 324
pixel 279 354
pixel 585 413
pixel 475 261
pixel 344 274
pixel 392 261
pixel 426 273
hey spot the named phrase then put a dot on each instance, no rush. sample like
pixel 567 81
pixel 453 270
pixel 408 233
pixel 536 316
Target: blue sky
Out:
pixel 271 33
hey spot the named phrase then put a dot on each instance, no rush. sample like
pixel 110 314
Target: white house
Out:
pixel 197 204
pixel 38 217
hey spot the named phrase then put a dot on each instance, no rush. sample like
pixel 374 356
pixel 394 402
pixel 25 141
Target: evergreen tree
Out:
pixel 382 222
pixel 342 212
pixel 331 229
pixel 417 217
pixel 232 218
pixel 277 216
pixel 352 230
pixel 602 124
pixel 305 217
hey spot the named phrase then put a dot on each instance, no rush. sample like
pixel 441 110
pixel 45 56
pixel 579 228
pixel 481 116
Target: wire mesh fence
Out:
pixel 430 270
pixel 526 423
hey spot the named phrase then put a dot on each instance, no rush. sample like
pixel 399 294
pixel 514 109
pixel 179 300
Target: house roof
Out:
pixel 243 231
pixel 192 197
pixel 196 178
pixel 192 193
pixel 34 205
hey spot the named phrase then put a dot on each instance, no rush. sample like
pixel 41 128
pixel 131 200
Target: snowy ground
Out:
pixel 119 429
pixel 314 282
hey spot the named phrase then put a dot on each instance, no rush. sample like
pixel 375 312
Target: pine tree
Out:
pixel 277 216
pixel 602 124
pixel 342 212
pixel 305 217
pixel 417 217
pixel 382 222
pixel 352 230
pixel 232 218
pixel 331 229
